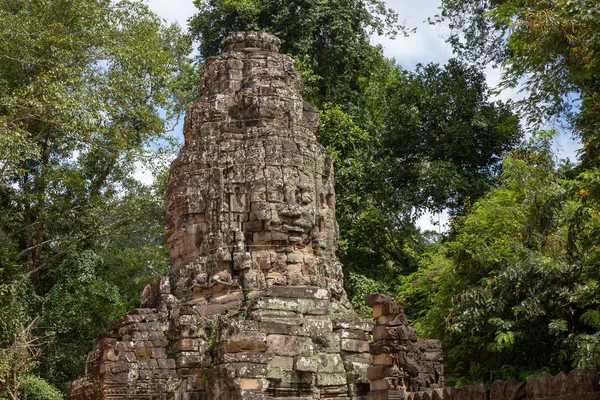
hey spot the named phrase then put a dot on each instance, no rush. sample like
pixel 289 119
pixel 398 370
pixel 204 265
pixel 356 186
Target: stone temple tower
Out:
pixel 254 305
pixel 250 197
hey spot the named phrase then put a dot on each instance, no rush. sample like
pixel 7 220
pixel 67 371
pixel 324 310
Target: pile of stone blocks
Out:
pixel 304 353
pixel 402 363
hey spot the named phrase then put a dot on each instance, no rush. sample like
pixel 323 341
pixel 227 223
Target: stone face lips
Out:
pixel 254 306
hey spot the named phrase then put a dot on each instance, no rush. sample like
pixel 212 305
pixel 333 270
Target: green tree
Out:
pixel 88 90
pixel 515 291
pixel 428 140
pixel 85 97
pixel 550 47
pixel 369 245
pixel 446 139
pixel 332 37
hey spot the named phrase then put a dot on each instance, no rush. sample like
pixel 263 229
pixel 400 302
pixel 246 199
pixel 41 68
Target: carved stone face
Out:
pixel 278 227
pixel 291 210
pixel 251 195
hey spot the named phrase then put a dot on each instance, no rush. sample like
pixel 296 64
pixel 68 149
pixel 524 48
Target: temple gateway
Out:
pixel 254 305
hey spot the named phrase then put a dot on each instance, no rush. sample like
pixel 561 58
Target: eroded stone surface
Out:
pixel 254 305
pixel 402 363
pixel 251 200
pixel 577 385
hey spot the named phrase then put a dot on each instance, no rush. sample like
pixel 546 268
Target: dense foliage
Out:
pixel 549 47
pixel 85 87
pixel 513 289
pixel 446 138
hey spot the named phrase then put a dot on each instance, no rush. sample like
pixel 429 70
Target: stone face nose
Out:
pixel 291 207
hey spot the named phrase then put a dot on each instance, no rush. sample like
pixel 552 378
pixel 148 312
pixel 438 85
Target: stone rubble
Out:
pixel 576 385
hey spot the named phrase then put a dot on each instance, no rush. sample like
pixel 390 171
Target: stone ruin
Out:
pixel 402 363
pixel 254 306
pixel 576 385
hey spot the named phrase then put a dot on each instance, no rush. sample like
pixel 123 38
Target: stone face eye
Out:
pixel 298 196
pixel 306 198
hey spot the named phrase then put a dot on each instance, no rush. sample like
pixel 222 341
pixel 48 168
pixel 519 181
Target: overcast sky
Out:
pixel 426 45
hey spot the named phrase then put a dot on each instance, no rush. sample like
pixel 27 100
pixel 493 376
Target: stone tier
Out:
pixel 297 342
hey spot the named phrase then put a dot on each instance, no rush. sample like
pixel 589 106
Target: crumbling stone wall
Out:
pixel 254 306
pixel 402 363
pixel 577 385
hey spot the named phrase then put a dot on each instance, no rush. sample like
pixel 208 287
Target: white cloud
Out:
pixel 437 222
pixel 174 10
pixel 426 45
pixel 143 174
pixel 566 147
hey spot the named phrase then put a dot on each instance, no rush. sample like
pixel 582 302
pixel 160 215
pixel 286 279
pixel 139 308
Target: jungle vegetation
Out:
pixel 89 90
